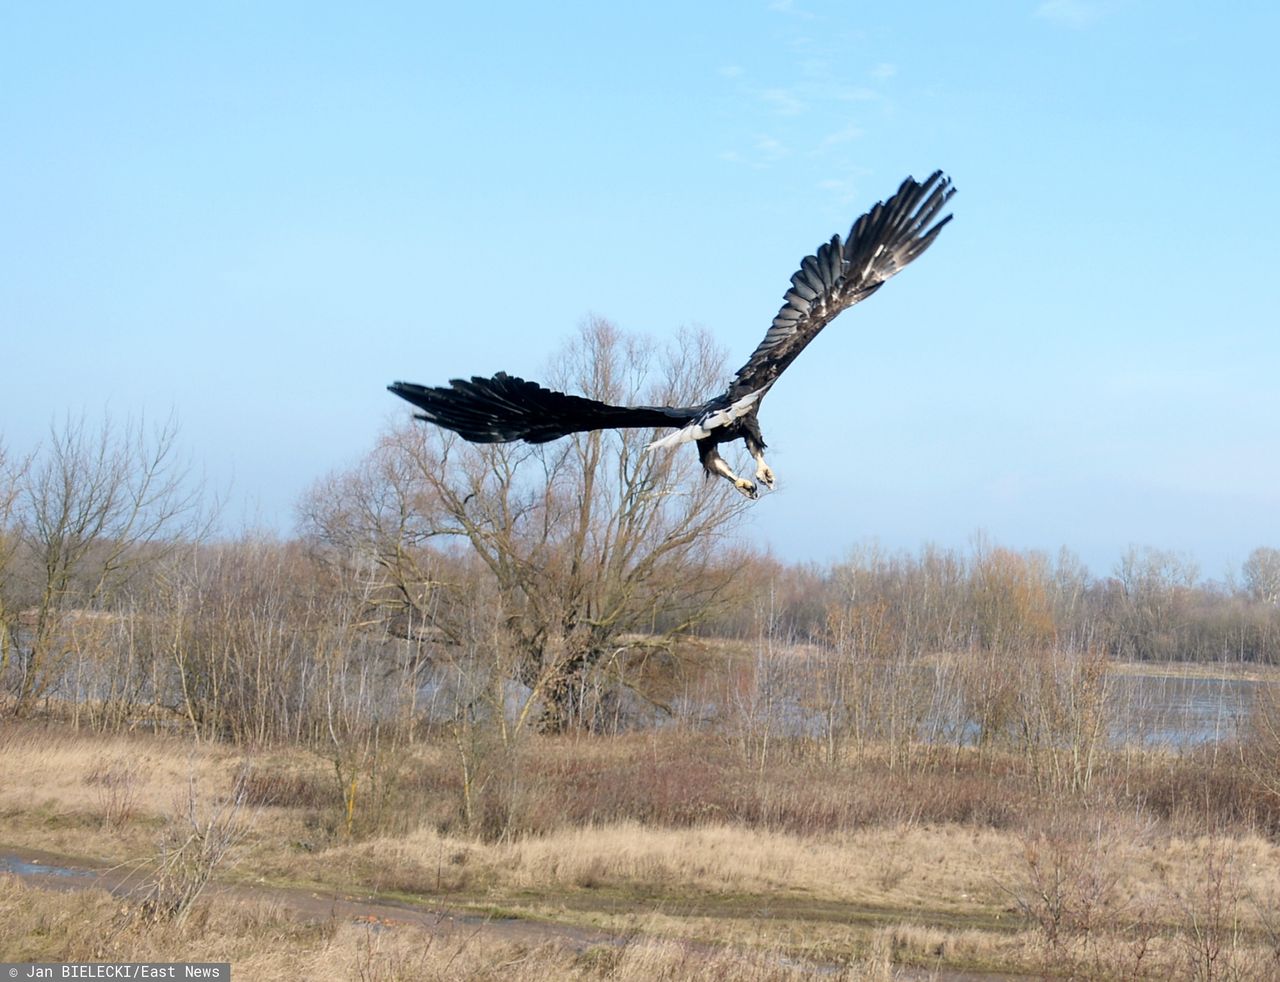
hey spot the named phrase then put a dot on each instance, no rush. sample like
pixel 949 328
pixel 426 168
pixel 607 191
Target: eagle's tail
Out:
pixel 505 408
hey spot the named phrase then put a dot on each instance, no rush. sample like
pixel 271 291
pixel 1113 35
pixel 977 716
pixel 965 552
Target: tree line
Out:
pixel 540 588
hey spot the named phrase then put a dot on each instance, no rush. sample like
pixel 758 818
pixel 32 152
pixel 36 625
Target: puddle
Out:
pixel 10 863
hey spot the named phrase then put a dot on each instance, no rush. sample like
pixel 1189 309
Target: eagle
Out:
pixel 838 275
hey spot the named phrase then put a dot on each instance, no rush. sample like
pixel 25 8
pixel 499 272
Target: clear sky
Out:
pixel 257 215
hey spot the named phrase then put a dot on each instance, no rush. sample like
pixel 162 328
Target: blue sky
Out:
pixel 257 215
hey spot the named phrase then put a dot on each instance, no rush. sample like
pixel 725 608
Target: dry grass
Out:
pixel 949 869
pixel 659 836
pixel 1211 671
pixel 265 942
pixel 98 796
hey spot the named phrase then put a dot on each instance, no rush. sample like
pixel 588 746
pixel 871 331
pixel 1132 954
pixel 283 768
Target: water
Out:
pixel 1175 711
pixel 1150 709
pixel 18 866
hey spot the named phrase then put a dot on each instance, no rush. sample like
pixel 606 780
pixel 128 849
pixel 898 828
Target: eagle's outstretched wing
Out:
pixel 880 243
pixel 505 408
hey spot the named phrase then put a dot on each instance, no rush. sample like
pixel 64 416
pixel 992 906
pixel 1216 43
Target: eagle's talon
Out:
pixel 764 474
pixel 747 488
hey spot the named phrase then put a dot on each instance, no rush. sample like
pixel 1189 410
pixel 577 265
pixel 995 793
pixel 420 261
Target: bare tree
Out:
pixel 1262 575
pixel 92 508
pixel 880 684
pixel 1011 617
pixel 589 544
pixel 1157 586
pixel 9 485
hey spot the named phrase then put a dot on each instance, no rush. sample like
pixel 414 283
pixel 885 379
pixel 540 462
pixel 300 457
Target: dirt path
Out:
pixel 55 872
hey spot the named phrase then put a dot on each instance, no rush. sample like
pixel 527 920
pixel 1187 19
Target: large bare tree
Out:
pixel 88 510
pixel 586 549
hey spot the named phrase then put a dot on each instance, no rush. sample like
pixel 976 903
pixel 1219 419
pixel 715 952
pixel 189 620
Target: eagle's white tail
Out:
pixel 704 425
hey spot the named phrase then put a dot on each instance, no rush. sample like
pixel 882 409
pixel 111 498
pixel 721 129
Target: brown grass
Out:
pixel 266 942
pixel 954 861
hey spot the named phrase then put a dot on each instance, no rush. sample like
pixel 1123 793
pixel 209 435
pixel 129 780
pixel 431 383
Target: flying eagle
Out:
pixel 880 243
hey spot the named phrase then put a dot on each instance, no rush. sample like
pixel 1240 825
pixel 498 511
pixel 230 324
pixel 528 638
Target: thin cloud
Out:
pixel 784 102
pixel 844 135
pixel 806 110
pixel 843 189
pixel 770 149
pixel 855 93
pixel 789 7
pixel 1075 14
pixel 765 150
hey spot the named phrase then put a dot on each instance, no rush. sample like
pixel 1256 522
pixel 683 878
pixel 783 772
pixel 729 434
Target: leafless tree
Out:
pixel 589 544
pixel 1157 586
pixel 1262 575
pixel 881 692
pixel 92 509
pixel 9 485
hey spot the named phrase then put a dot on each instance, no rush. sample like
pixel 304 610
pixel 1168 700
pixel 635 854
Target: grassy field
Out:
pixel 662 839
